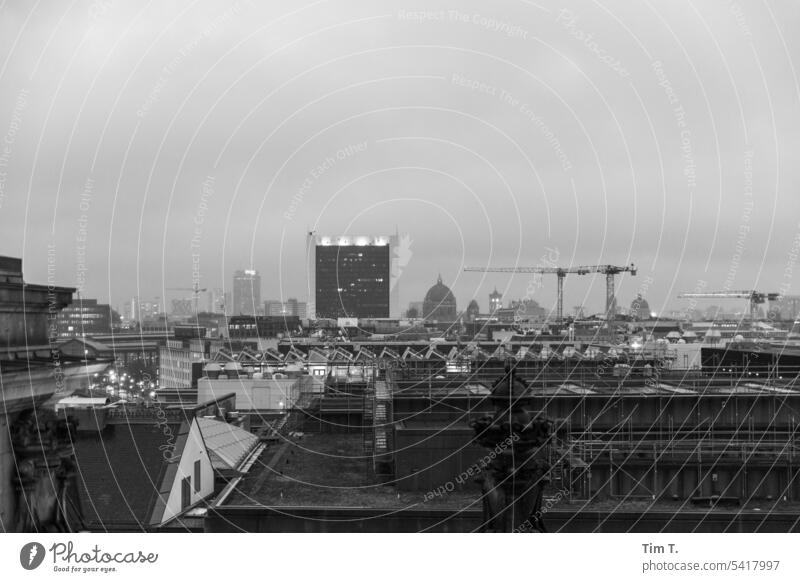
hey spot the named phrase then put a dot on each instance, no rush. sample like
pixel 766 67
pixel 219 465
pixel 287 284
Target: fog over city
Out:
pixel 147 143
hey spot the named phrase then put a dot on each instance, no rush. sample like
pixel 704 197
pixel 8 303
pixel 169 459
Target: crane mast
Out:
pixel 610 271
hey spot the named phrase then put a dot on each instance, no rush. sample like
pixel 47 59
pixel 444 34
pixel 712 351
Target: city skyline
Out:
pixel 186 169
pixel 374 267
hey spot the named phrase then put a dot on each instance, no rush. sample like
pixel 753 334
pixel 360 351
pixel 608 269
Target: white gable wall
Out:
pixel 194 450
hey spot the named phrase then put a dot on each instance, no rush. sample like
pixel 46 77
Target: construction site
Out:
pixel 636 445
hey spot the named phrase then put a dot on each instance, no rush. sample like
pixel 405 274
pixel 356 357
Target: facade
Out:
pixel 520 312
pixel 353 276
pixel 439 303
pixel 35 451
pixel 257 393
pixel 262 326
pixel 246 292
pixel 182 358
pixel 84 317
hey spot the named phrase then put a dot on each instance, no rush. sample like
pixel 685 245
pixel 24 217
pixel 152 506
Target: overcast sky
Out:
pixel 192 137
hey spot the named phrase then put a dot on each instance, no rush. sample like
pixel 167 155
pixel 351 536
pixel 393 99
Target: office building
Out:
pixel 84 317
pixel 246 292
pixel 291 306
pixel 352 276
pixel 181 359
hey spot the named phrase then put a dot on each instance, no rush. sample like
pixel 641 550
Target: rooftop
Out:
pixel 323 470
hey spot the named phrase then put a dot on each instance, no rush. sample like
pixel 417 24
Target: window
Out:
pixel 186 492
pixel 197 476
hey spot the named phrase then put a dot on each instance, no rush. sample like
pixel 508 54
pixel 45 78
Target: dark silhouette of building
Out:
pixel 351 276
pixel 640 309
pixel 473 310
pixel 440 303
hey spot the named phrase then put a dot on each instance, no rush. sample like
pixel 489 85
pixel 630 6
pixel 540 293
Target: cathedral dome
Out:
pixel 440 303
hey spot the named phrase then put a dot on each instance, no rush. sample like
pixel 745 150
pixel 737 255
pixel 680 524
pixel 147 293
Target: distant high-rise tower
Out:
pixel 246 293
pixel 216 300
pixel 352 276
pixel 495 300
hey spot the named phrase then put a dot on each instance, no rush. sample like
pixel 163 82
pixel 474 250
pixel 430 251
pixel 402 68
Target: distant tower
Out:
pixel 472 311
pixel 640 308
pixel 246 292
pixel 495 300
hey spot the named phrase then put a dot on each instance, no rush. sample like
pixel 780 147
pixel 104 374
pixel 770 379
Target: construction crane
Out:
pixel 755 298
pixel 195 289
pixel 610 271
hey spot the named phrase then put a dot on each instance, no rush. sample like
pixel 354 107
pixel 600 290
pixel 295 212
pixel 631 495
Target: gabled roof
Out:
pixel 434 353
pixel 342 355
pixel 317 356
pixel 410 354
pixel 228 445
pixel 294 355
pixel 271 355
pixel 224 355
pixel 364 355
pixel 454 353
pixel 248 355
pixel 389 353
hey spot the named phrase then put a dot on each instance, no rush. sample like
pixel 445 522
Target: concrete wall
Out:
pixel 252 394
pixel 429 457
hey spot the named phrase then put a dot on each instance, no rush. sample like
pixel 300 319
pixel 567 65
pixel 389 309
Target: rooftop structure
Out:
pixel 636 444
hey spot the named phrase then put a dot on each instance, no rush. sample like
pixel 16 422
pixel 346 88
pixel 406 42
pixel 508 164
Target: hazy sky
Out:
pixel 178 138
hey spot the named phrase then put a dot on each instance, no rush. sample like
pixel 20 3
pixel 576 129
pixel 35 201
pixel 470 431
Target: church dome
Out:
pixel 440 303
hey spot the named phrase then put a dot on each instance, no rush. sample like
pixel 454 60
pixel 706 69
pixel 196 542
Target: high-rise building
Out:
pixel 351 276
pixel 138 310
pixel 216 301
pixel 246 293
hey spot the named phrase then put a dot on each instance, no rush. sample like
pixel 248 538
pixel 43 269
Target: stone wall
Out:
pixel 6 472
